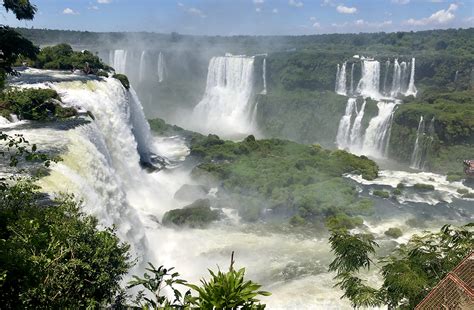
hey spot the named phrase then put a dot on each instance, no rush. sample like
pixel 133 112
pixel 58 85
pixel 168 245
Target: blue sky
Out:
pixel 254 17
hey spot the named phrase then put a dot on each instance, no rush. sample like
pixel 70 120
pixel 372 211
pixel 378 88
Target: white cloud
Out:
pixel 69 11
pixel 295 3
pixel 192 11
pixel 312 18
pixel 275 11
pixel 439 17
pixel 327 2
pixel 104 1
pixel 345 9
pixel 258 10
pixel 361 22
pixel 401 1
pixel 258 1
pixel 93 7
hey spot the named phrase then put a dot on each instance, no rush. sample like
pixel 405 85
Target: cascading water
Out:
pixel 343 132
pixel 161 67
pixel 403 78
pixel 377 133
pixel 226 106
pixel 369 83
pixel 341 87
pixel 352 79
pixel 119 60
pixel 264 76
pixel 385 77
pixel 411 85
pixel 142 67
pixel 415 161
pixel 396 80
pixel 356 131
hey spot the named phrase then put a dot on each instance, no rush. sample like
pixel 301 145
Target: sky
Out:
pixel 249 17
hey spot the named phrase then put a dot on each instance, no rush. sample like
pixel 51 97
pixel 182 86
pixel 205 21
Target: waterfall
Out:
pixel 352 79
pixel 341 87
pixel 415 161
pixel 226 105
pixel 370 81
pixel 338 72
pixel 377 134
pixel 411 86
pixel 142 67
pixel 456 76
pixel 264 76
pixel 396 80
pixel 385 77
pixel 254 115
pixel 403 78
pixel 356 131
pixel 343 132
pixel 161 67
pixel 119 61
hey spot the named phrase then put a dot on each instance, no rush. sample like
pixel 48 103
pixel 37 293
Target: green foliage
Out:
pixel 381 193
pixel 159 127
pixel 22 9
pixel 285 176
pixel 13 45
pixel 34 104
pixel 196 215
pixel 123 79
pixel 228 290
pixel 159 280
pixel 423 187
pixel 62 57
pixel 343 221
pixel 394 232
pixel 409 273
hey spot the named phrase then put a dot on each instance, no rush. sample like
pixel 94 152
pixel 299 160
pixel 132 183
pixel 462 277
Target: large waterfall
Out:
pixel 415 161
pixel 344 130
pixel 377 134
pixel 411 85
pixel 264 76
pixel 227 106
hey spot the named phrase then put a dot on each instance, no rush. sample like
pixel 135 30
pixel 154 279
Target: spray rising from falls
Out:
pixel 142 67
pixel 226 107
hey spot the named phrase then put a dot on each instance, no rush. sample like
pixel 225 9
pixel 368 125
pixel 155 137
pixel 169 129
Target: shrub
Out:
pixel 396 192
pixel 197 214
pixel 394 232
pixel 381 193
pixel 423 187
pixel 123 79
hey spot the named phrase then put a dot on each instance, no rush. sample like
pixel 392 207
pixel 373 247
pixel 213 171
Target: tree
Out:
pixel 12 44
pixel 408 273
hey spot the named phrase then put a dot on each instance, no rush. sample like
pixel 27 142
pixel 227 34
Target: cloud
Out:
pixel 69 11
pixel 192 11
pixel 258 1
pixel 346 10
pixel 275 11
pixel 93 7
pixel 401 1
pixel 361 22
pixel 104 1
pixel 295 3
pixel 258 10
pixel 312 18
pixel 327 2
pixel 439 17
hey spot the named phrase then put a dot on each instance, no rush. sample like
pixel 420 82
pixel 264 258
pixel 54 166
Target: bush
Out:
pixel 423 187
pixel 394 232
pixel 396 192
pixel 381 193
pixel 463 191
pixel 123 79
pixel 196 215
pixel 34 104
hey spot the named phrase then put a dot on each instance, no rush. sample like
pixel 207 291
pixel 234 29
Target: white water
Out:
pixel 376 137
pixel 264 76
pixel 385 78
pixel 344 130
pixel 404 78
pixel 369 83
pixel 356 131
pixel 411 85
pixel 341 85
pixel 416 156
pixel 142 67
pixel 161 67
pixel 226 106
pixel 396 80
pixel 118 60
pixel 352 79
